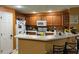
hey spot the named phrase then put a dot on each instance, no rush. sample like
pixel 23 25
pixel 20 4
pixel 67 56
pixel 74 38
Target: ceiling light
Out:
pixel 19 6
pixel 50 11
pixel 34 12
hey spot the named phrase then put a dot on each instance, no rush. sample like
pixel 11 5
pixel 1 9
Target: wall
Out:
pixel 75 11
pixel 20 15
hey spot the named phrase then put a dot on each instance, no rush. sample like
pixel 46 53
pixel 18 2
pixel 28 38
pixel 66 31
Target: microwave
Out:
pixel 41 23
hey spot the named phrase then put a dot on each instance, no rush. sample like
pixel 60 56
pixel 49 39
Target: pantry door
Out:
pixel 6 32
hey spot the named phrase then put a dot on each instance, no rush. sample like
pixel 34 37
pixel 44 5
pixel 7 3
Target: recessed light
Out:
pixel 19 6
pixel 34 12
pixel 50 11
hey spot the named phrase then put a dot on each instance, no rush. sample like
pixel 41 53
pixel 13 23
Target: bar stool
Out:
pixel 77 40
pixel 58 49
pixel 71 48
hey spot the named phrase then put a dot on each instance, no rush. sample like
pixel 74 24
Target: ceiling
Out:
pixel 40 8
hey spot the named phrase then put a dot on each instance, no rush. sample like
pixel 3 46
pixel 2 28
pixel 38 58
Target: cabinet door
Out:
pixel 66 19
pixel 57 20
pixel 34 19
pixel 49 20
pixel 27 20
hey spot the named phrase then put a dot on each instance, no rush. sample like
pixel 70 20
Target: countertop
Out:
pixel 45 38
pixel 36 31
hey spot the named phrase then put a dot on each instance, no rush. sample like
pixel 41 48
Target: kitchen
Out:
pixel 38 32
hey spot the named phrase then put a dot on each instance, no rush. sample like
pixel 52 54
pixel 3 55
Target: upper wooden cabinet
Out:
pixel 57 20
pixel 28 20
pixel 66 18
pixel 54 20
pixel 49 20
pixel 31 20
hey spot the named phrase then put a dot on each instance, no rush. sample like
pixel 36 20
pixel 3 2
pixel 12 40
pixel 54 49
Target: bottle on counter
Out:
pixel 42 33
pixel 66 29
pixel 55 31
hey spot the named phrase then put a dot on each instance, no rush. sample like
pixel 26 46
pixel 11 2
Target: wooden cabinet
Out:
pixel 31 46
pixel 28 20
pixel 54 20
pixel 49 20
pixel 31 20
pixel 35 46
pixel 66 18
pixel 57 20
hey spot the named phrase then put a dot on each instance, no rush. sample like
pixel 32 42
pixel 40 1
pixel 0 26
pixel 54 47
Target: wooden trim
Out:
pixel 14 30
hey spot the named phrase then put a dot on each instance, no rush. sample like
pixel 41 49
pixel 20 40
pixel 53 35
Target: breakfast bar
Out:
pixel 34 44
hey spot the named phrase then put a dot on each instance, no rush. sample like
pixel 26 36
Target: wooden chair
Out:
pixel 71 48
pixel 58 49
pixel 77 40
